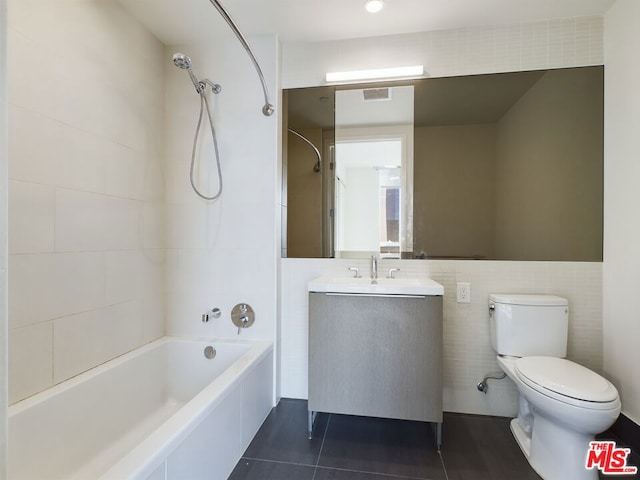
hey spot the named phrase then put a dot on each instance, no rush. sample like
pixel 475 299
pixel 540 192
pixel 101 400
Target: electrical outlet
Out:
pixel 464 292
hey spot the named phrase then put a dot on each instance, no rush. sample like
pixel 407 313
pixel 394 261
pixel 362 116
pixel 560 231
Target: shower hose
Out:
pixel 204 105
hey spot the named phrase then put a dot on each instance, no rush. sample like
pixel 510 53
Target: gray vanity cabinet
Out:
pixel 378 356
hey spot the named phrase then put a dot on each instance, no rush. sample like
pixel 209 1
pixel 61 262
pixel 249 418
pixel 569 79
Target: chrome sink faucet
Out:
pixel 374 269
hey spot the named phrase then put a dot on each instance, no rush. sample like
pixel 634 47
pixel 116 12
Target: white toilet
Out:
pixel 562 405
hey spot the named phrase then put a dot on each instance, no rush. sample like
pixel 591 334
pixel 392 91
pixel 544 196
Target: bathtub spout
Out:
pixel 213 313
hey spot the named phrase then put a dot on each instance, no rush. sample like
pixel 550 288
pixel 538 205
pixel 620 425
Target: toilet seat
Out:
pixel 567 382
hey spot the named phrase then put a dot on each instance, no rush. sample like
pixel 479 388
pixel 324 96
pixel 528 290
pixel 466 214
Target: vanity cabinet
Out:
pixel 376 355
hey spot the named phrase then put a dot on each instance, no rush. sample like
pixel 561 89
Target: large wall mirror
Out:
pixel 502 166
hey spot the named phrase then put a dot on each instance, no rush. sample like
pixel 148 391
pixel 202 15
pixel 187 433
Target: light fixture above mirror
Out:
pixel 411 71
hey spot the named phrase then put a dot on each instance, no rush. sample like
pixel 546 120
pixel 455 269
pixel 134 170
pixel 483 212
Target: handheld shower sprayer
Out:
pixel 182 61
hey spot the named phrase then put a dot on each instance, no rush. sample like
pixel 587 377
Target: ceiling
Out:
pixel 177 22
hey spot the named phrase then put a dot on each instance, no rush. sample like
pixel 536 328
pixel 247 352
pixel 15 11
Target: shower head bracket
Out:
pixel 215 88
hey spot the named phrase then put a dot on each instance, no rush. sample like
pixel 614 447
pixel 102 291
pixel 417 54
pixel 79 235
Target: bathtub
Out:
pixel 163 411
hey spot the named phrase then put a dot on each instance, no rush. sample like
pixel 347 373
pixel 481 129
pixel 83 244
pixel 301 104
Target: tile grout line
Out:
pixel 324 436
pixel 444 468
pixel 377 474
pixel 283 462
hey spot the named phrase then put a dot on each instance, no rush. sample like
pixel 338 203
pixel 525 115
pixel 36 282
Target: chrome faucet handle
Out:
pixel 242 316
pixel 356 270
pixel 392 271
pixel 374 269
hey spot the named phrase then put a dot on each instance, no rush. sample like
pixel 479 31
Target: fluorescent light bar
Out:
pixel 395 72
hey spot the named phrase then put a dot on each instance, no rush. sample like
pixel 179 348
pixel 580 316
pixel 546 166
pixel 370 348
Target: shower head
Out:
pixel 182 61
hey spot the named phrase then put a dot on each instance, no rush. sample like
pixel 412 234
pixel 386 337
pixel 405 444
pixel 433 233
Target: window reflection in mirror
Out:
pixel 507 166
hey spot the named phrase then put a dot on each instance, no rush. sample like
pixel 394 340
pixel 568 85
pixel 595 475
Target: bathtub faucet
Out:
pixel 374 269
pixel 213 313
pixel 242 316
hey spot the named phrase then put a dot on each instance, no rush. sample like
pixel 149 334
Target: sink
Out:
pixel 385 286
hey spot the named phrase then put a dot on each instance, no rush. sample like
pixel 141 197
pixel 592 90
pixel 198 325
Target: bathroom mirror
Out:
pixel 505 166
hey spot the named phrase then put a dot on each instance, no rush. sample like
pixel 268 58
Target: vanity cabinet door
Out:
pixel 376 356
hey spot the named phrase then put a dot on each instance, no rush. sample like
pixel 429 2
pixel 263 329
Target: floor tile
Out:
pixel 359 448
pixel 284 436
pixel 375 445
pixel 247 469
pixel 323 473
pixel 477 447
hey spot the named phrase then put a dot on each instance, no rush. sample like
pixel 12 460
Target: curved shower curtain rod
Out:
pixel 268 108
pixel 316 167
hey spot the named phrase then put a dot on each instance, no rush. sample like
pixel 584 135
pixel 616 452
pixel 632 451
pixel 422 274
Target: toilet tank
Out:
pixel 525 325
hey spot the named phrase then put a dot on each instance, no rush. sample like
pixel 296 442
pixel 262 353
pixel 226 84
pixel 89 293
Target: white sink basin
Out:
pixel 385 286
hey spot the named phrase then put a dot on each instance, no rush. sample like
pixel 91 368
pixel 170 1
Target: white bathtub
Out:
pixel 163 411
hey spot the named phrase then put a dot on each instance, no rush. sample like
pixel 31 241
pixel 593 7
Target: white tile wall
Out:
pixel 622 230
pixel 30 359
pixel 90 338
pixel 222 252
pixel 51 285
pixel 90 222
pixel 86 193
pixel 4 224
pixel 32 230
pixel 466 51
pixel 468 355
pixel 62 156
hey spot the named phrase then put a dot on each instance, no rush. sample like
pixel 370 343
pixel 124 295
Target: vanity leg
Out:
pixel 312 417
pixel 439 435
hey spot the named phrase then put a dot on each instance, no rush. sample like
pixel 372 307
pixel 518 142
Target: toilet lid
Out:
pixel 566 378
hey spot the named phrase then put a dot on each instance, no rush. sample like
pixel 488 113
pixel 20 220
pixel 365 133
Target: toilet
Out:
pixel 561 405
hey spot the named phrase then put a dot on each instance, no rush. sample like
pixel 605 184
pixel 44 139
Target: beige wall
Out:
pixel 542 141
pixel 497 190
pixel 4 381
pixel 454 186
pixel 304 196
pixel 86 189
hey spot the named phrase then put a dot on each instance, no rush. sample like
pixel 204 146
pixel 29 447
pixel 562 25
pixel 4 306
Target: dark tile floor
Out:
pixel 358 448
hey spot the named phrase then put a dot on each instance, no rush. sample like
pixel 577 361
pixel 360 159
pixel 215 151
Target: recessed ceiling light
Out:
pixel 373 6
